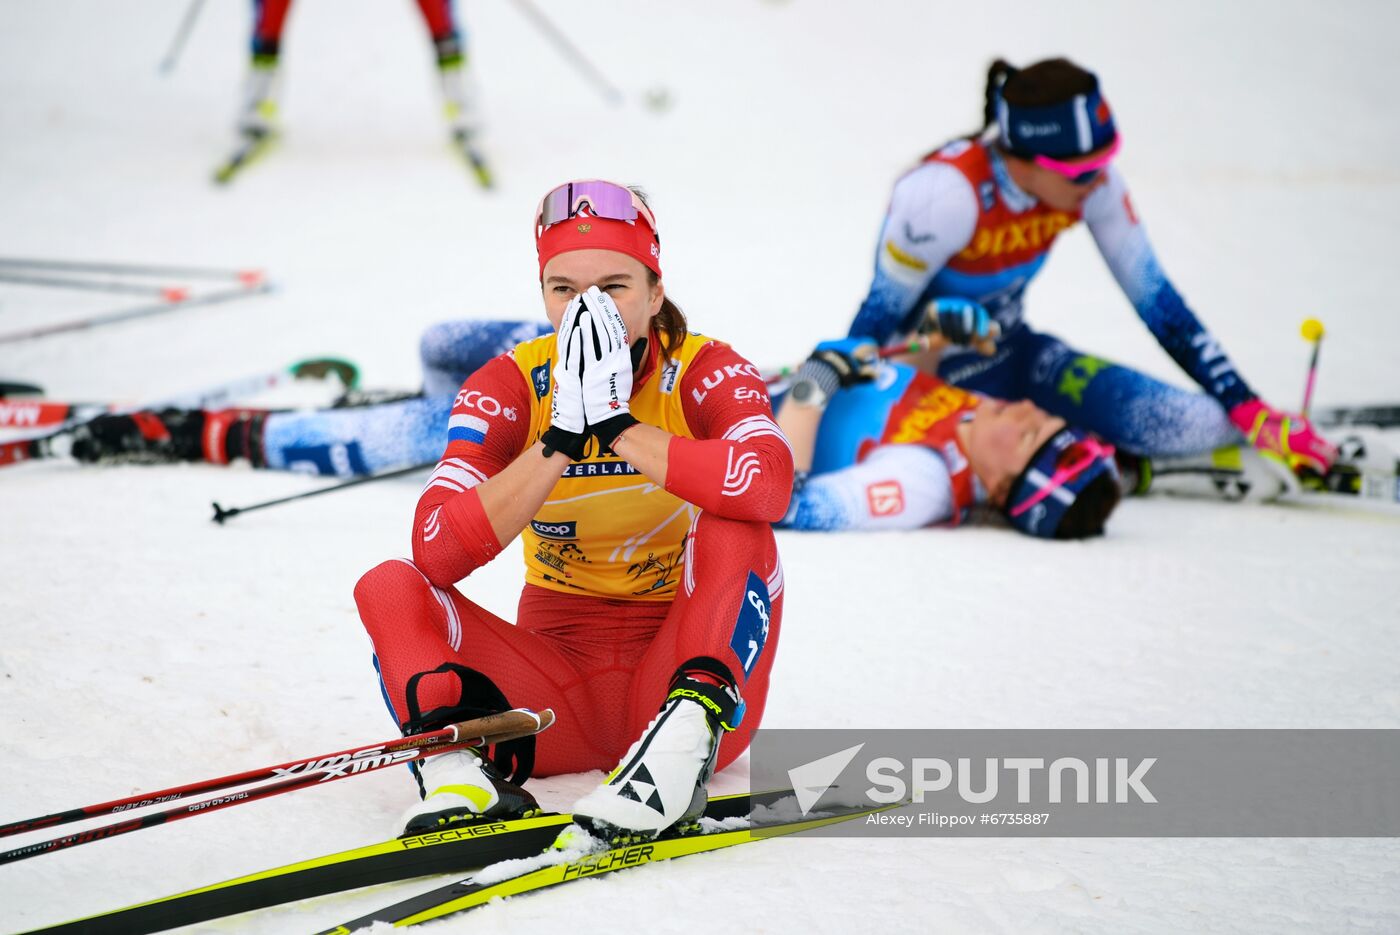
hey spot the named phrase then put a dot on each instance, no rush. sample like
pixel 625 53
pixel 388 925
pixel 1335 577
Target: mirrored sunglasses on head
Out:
pixel 604 200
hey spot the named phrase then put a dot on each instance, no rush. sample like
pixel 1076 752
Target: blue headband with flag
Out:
pixel 1070 128
pixel 1069 461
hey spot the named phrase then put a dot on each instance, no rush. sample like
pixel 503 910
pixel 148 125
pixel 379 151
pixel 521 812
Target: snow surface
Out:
pixel 144 647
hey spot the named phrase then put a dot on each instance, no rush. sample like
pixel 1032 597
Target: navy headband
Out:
pixel 1050 506
pixel 1070 128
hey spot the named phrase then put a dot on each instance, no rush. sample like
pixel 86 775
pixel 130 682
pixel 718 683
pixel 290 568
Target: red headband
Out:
pixel 584 231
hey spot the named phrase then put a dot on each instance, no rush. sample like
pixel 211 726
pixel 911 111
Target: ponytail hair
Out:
pixel 998 73
pixel 669 323
pixel 1052 81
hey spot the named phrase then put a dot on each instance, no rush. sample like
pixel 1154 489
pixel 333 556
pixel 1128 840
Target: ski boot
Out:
pixel 459 96
pixel 169 436
pixel 462 786
pixel 163 437
pixel 1233 473
pixel 660 786
pixel 257 118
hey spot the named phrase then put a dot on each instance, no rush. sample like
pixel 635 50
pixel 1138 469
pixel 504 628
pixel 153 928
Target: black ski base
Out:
pixel 449 851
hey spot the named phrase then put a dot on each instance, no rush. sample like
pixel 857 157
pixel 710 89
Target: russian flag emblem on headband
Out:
pixel 464 428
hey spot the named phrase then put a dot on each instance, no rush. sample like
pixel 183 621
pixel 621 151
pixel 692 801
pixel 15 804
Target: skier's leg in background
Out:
pixel 356 440
pixel 453 350
pixel 269 19
pixel 1138 413
pixel 258 111
pixel 459 93
pixel 339 441
pixel 369 439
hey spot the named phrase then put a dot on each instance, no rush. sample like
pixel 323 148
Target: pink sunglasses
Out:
pixel 1080 173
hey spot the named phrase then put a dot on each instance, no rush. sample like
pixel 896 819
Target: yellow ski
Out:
pixel 468 894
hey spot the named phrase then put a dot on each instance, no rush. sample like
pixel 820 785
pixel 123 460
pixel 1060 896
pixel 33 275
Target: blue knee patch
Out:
pixel 335 460
pixel 751 627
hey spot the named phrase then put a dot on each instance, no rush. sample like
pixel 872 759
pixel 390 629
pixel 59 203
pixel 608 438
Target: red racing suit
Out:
pixel 625 580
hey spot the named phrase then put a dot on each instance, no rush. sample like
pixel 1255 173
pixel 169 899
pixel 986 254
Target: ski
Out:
pixel 475 159
pixel 452 850
pixel 555 867
pixel 168 293
pixel 251 148
pixel 1368 474
pixel 1381 415
pixel 29 449
pixel 127 269
pixel 59 418
pixel 44 413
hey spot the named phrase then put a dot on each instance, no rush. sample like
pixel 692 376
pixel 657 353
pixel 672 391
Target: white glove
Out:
pixel 566 403
pixel 568 430
pixel 607 360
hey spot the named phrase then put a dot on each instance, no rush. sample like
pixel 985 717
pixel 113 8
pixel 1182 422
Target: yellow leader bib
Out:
pixel 606 529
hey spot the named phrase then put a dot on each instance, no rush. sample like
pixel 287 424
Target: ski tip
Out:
pixel 174 294
pixel 11 389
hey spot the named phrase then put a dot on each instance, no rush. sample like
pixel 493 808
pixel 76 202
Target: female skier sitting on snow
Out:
pixel 973 224
pixel 644 502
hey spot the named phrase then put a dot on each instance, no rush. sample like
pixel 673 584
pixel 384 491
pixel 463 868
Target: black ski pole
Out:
pixel 221 514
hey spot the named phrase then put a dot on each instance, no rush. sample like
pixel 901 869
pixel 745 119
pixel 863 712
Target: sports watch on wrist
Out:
pixel 806 392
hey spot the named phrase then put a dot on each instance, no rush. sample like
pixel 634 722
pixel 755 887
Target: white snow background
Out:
pixel 142 646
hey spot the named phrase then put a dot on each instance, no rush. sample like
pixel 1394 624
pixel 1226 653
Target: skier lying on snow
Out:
pixel 880 419
pixel 882 445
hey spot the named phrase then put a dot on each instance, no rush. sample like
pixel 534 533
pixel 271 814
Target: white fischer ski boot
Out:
pixel 660 784
pixel 462 786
